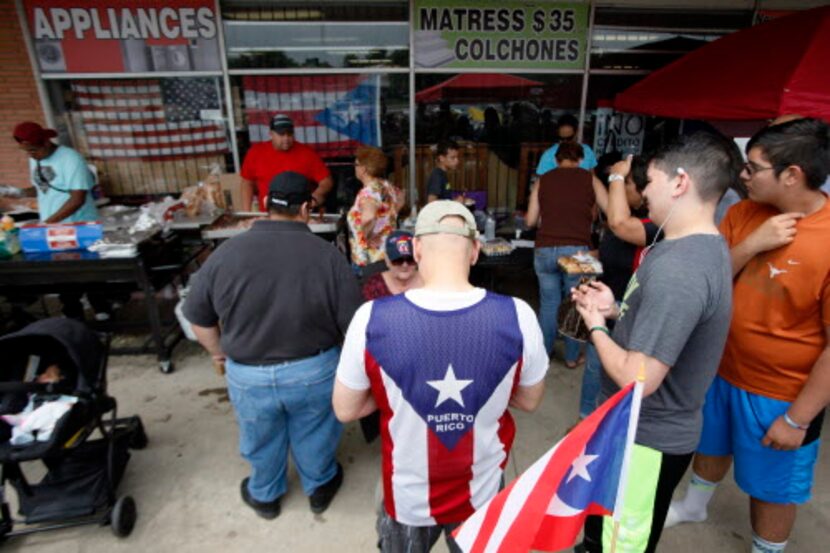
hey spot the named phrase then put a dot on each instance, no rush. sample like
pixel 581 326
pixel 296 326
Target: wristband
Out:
pixel 791 423
pixel 616 176
pixel 600 329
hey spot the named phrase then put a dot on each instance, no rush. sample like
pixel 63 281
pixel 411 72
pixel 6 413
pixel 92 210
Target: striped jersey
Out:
pixel 442 367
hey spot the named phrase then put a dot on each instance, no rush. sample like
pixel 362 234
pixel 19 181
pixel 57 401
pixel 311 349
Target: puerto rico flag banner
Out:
pixel 545 507
pixel 334 114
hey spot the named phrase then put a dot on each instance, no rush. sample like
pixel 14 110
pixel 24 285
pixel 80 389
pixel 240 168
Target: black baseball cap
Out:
pixel 281 123
pixel 398 245
pixel 289 188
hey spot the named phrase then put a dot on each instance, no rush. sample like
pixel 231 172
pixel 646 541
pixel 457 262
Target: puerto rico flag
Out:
pixel 334 114
pixel 443 389
pixel 545 507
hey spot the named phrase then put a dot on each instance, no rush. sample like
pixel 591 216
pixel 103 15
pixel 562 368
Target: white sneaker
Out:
pixel 677 515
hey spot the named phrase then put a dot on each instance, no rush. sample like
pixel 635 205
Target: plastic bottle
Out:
pixel 490 227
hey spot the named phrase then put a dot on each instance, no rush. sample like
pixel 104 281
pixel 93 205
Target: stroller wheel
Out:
pixel 138 437
pixel 122 517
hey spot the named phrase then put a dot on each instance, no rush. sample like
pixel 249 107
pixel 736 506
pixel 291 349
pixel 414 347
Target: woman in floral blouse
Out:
pixel 374 214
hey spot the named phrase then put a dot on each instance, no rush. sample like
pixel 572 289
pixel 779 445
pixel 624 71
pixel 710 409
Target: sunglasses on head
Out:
pixel 400 261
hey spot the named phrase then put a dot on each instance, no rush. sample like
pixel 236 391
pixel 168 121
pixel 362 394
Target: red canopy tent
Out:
pixel 478 87
pixel 775 68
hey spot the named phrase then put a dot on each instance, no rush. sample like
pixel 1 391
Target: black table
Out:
pixel 489 267
pixel 160 260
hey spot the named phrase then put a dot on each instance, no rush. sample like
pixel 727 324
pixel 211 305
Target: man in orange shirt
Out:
pixel 765 408
pixel 282 153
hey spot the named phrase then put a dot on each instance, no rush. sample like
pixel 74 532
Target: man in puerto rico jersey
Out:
pixel 442 364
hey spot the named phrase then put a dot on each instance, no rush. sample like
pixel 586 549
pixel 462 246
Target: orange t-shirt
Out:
pixel 781 305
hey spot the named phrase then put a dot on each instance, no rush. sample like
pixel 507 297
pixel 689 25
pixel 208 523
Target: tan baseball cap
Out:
pixel 429 219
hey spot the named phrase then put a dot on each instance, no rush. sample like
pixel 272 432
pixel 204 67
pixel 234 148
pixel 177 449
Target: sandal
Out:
pixel 574 364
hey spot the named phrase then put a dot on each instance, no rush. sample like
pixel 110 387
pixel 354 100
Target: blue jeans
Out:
pixel 286 407
pixel 553 285
pixel 591 382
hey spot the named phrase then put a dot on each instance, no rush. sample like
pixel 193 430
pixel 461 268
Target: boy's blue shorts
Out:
pixel 734 423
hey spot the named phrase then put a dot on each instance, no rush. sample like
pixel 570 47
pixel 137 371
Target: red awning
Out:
pixel 478 87
pixel 775 68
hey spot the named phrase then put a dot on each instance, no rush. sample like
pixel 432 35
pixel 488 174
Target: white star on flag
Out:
pixel 449 388
pixel 580 466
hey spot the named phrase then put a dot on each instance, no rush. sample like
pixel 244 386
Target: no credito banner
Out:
pixel 495 34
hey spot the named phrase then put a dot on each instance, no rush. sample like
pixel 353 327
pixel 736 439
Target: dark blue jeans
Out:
pixel 553 285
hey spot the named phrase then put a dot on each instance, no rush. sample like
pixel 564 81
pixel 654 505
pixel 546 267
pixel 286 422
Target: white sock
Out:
pixel 760 545
pixel 692 508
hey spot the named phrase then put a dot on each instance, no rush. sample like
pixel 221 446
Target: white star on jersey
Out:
pixel 580 466
pixel 449 388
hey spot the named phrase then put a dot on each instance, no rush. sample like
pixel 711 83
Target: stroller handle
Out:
pixel 29 387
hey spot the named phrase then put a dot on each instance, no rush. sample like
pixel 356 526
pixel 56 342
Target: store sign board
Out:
pixel 134 36
pixel 618 132
pixel 495 34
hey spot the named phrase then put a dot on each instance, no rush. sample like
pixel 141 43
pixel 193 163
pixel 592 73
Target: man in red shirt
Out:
pixel 283 153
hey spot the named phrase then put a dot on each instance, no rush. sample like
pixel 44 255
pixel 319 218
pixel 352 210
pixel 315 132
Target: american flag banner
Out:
pixel 334 114
pixel 151 120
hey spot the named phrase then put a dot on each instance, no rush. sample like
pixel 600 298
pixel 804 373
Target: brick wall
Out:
pixel 19 100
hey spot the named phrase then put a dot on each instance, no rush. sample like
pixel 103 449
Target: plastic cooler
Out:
pixel 59 237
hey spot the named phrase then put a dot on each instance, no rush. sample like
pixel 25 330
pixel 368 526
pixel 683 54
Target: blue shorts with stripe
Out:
pixel 734 423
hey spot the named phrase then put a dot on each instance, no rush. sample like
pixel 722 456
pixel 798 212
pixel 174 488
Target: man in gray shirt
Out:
pixel 284 299
pixel 672 322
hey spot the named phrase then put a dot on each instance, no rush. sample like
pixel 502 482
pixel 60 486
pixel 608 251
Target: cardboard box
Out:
pixel 231 186
pixel 59 237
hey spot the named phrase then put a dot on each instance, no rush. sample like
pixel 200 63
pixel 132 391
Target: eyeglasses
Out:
pixel 567 138
pixel 400 261
pixel 751 168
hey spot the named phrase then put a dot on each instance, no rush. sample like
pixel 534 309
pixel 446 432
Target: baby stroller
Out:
pixel 82 474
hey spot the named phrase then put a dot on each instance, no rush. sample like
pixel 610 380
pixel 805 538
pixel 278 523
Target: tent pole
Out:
pixel 585 75
pixel 413 189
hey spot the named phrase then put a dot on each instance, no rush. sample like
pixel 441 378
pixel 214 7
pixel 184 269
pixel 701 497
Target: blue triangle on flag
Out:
pixel 356 114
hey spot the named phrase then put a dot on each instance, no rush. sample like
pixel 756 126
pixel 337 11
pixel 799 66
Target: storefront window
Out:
pixel 357 35
pixel 145 136
pixel 334 114
pixel 502 121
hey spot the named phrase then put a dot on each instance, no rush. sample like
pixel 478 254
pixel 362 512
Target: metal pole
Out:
pixel 413 189
pixel 586 74
pixel 227 81
pixel 45 105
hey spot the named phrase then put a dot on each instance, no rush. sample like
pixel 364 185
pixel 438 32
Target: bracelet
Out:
pixel 791 423
pixel 601 329
pixel 615 176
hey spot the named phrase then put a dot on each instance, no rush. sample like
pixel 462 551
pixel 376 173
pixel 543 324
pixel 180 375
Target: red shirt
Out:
pixel 263 162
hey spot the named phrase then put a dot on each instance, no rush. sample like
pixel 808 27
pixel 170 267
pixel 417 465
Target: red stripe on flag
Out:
pixel 298 84
pixel 491 519
pixel 113 133
pixel 160 145
pixel 373 372
pixel 123 121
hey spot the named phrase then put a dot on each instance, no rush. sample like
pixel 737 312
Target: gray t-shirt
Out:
pixel 677 309
pixel 280 293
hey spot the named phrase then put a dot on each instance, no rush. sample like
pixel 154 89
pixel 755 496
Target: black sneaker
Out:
pixel 322 496
pixel 269 510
